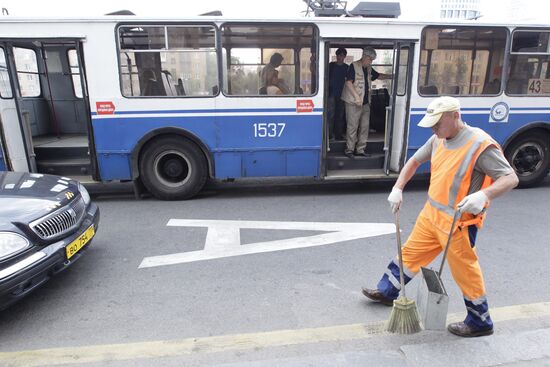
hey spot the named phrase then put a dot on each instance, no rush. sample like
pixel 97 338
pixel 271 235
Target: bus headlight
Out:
pixel 84 193
pixel 11 243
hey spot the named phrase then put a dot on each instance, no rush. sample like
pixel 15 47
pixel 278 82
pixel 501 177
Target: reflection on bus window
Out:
pixel 461 61
pixel 403 71
pixel 170 61
pixel 75 73
pixel 5 86
pixel 529 71
pixel 253 52
pixel 27 72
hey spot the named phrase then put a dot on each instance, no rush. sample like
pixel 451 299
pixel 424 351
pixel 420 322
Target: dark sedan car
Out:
pixel 46 224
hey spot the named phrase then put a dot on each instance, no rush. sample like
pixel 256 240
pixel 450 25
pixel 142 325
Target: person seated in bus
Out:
pixel 267 72
pixel 273 84
pixel 357 97
pixel 337 71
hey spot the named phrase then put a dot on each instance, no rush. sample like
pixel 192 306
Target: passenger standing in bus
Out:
pixel 468 170
pixel 337 71
pixel 267 72
pixel 356 95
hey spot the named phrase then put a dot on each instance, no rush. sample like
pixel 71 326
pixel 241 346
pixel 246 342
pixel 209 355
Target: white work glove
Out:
pixel 395 199
pixel 473 203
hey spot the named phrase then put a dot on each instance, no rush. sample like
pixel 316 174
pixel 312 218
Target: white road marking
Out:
pixel 224 240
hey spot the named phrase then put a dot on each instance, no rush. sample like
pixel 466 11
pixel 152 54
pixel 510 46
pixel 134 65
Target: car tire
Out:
pixel 173 168
pixel 529 156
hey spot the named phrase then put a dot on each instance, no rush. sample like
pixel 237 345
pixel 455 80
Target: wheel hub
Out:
pixel 527 159
pixel 172 168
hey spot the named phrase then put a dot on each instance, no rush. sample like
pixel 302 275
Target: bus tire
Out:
pixel 529 156
pixel 173 168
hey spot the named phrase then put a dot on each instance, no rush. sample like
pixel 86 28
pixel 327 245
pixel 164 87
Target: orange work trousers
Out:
pixel 426 242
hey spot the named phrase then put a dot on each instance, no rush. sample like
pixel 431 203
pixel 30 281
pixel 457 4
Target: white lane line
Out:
pixel 181 347
pixel 223 238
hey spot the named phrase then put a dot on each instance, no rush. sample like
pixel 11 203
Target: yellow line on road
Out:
pixel 181 347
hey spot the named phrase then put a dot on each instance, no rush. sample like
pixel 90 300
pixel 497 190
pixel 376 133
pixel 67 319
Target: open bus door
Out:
pixel 82 76
pixel 397 116
pixel 3 165
pixel 14 149
pixel 46 122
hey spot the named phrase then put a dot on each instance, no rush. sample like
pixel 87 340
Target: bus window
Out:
pixel 75 72
pixel 529 71
pixel 170 61
pixel 382 64
pixel 461 61
pixel 27 72
pixel 248 50
pixel 244 70
pixel 5 87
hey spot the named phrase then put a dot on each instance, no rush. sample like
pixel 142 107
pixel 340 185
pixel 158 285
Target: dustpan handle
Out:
pixel 455 218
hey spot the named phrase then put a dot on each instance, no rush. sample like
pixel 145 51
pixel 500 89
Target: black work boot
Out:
pixel 376 296
pixel 465 331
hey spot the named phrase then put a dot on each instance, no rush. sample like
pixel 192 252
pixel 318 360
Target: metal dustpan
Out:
pixel 432 299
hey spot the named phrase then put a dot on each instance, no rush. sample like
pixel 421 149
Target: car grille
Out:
pixel 60 222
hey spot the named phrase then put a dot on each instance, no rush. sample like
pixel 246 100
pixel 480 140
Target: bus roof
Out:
pixel 223 19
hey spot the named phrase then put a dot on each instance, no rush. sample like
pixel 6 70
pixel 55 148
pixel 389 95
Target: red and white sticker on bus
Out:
pixel 304 105
pixel 105 108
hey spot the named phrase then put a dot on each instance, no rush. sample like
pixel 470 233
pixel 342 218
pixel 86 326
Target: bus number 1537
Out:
pixel 268 130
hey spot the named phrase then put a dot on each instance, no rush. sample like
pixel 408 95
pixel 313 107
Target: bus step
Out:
pixel 372 146
pixel 341 162
pixel 65 167
pixel 53 153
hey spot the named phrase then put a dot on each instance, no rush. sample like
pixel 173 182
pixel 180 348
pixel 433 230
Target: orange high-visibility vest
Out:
pixel 451 176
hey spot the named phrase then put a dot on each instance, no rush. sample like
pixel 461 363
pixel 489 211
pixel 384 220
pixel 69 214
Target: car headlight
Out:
pixel 11 243
pixel 84 193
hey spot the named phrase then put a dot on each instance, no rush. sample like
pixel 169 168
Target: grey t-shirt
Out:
pixel 491 162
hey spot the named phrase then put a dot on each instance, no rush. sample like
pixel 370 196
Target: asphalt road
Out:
pixel 108 302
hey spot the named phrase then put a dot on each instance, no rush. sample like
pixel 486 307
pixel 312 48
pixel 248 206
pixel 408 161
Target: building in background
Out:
pixel 460 9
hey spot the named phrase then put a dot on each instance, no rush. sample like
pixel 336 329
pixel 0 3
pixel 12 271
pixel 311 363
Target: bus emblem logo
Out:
pixel 499 112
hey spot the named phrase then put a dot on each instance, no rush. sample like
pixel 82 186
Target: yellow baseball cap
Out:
pixel 436 108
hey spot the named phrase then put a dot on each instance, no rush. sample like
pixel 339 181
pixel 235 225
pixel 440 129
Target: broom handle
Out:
pixel 398 236
pixel 455 218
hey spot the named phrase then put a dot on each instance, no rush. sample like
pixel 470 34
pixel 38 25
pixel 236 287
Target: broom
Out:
pixel 404 317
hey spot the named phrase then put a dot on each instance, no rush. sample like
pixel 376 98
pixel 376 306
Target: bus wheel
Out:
pixel 529 156
pixel 173 168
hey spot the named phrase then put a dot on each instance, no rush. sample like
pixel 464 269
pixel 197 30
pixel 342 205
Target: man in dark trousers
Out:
pixel 468 170
pixel 336 78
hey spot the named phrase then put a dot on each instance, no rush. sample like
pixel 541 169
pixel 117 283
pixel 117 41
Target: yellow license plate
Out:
pixel 77 244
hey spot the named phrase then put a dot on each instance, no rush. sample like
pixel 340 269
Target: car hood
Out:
pixel 28 196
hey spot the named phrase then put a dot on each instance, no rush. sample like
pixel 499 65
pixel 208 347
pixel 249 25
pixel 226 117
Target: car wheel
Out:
pixel 529 156
pixel 173 168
